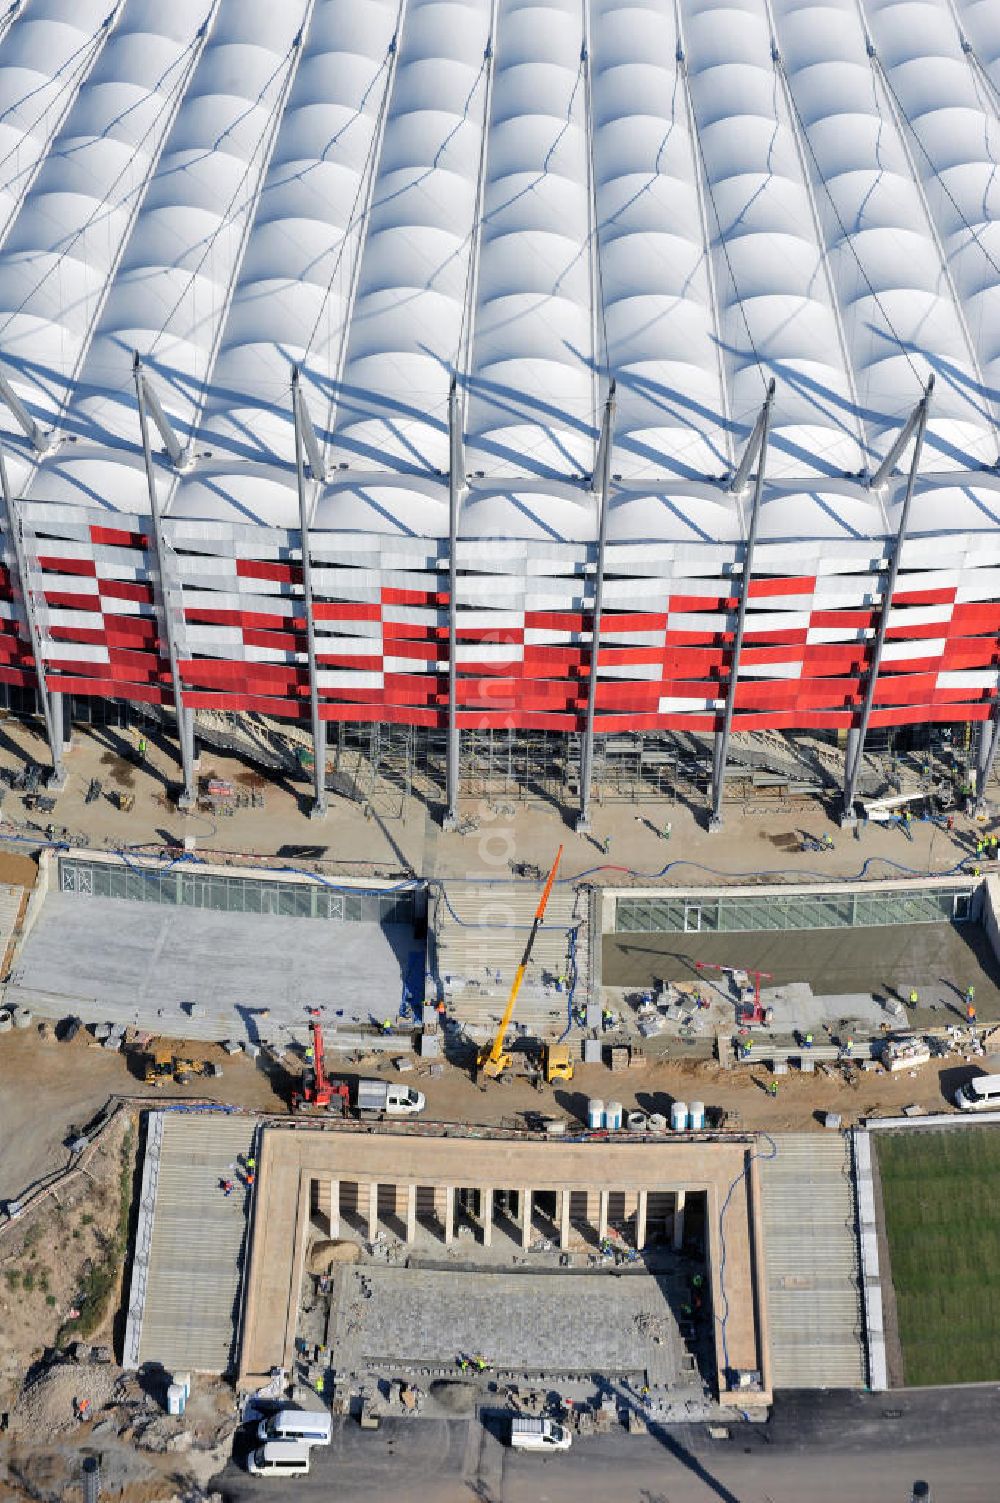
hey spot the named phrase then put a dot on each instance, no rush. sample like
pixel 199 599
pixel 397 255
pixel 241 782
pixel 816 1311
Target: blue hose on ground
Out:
pixel 723 1316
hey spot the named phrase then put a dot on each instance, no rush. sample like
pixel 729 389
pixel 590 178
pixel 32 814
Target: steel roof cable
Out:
pixel 995 265
pixel 361 205
pixel 230 211
pixel 706 178
pixel 975 392
pixel 846 236
pixel 87 53
pixel 103 206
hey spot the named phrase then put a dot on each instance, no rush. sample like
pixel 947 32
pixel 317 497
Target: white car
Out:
pixel 279 1458
pixel 979 1095
pixel 528 1434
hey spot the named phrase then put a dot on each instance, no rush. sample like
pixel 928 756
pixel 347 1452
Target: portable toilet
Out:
pixel 595 1114
pixel 176 1398
pixel 613 1116
pixel 678 1116
pixel 696 1116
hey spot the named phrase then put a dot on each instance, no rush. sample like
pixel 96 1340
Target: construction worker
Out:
pixel 227 1187
pixel 309 1054
pixel 914 996
pixel 848 1046
pixel 809 1040
pixel 251 1164
pixel 827 841
pixel 480 1364
pixel 606 845
pixel 386 1025
pixel 142 748
pixel 463 1364
pixel 970 1012
pixel 980 847
pixel 970 994
pixel 667 830
pixel 773 1088
pixel 607 1017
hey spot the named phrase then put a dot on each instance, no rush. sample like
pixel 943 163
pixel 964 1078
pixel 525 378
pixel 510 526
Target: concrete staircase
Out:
pixel 811 1259
pixel 196 1251
pixel 476 939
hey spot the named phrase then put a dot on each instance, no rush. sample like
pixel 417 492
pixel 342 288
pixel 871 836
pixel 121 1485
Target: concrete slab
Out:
pixel 941 960
pixel 112 960
pixel 518 1321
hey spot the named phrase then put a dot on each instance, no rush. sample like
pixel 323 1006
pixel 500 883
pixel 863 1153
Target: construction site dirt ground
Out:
pixel 47 1089
pixel 403 834
pixel 939 960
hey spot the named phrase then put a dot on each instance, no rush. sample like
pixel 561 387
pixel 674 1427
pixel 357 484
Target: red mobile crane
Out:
pixel 747 984
pixel 318 1090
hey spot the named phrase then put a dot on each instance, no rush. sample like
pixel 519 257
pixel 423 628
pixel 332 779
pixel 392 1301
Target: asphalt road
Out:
pixel 816 1448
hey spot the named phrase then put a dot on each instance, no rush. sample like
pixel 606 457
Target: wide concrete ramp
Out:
pixel 811 1263
pixel 247 974
pixel 185 1299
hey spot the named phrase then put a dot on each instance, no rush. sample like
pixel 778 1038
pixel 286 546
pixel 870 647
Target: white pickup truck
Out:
pixel 385 1097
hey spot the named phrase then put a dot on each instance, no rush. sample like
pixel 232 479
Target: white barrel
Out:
pixel 678 1116
pixel 6 1022
pixel 637 1121
pixel 22 1018
pixel 595 1114
pixel 696 1116
pixel 613 1116
pixel 657 1122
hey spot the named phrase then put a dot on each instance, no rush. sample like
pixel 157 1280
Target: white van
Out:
pixel 527 1434
pixel 311 1427
pixel 279 1458
pixel 979 1095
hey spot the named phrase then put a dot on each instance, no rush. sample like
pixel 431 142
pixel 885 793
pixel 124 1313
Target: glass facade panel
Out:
pixel 232 894
pixel 749 914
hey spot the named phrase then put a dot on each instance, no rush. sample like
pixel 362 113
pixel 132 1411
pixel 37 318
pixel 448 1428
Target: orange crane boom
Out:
pixel 495 1060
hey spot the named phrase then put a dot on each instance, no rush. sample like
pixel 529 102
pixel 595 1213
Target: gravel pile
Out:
pixel 46 1403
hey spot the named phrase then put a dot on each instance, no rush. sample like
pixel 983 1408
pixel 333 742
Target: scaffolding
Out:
pixel 385 766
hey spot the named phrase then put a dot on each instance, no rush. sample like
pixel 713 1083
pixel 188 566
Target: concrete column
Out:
pixel 525 1218
pixel 486 1216
pixel 679 1200
pixel 564 1220
pixel 602 1216
pixel 640 1220
pixel 335 1208
pixel 449 1215
pixel 411 1213
pixel 372 1210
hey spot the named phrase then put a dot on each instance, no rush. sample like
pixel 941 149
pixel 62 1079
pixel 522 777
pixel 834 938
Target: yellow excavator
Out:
pixel 496 1060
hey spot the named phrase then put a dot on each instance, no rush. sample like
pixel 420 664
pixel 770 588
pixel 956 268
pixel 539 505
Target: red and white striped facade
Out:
pixel 531 198
pixel 381 617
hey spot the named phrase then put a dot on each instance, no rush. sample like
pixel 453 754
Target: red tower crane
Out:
pixel 747 983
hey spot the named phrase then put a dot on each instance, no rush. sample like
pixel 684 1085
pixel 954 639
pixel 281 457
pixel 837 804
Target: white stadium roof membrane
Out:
pixel 533 196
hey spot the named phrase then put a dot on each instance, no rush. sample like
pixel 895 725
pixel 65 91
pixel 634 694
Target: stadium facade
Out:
pixel 481 341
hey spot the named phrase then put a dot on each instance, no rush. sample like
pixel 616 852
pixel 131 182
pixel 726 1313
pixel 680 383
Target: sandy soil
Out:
pixel 47 1088
pixel 43 1260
